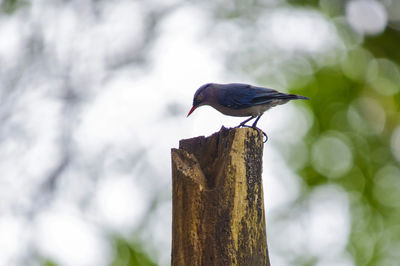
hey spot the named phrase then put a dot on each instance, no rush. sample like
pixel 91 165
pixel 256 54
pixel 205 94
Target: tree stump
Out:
pixel 217 200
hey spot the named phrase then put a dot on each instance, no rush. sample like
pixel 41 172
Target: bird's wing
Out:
pixel 239 96
pixel 265 96
pixel 236 95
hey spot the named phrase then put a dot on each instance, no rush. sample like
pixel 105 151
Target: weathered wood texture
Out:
pixel 217 200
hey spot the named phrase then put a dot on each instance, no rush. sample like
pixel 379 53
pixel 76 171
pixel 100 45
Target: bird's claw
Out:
pixel 266 136
pixel 256 128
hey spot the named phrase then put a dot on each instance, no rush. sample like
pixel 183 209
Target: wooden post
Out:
pixel 217 200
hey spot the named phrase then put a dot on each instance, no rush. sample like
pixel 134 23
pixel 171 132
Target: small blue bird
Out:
pixel 236 99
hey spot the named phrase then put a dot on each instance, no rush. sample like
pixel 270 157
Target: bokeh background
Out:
pixel 94 93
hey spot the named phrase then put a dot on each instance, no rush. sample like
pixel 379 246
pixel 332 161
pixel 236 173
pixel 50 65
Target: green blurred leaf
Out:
pixel 128 254
pixel 10 6
pixel 48 262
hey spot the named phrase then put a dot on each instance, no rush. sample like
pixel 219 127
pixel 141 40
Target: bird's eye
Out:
pixel 199 98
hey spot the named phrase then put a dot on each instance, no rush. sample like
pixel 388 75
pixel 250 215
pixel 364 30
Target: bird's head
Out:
pixel 202 96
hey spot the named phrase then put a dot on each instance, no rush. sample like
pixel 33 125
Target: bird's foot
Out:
pixel 242 125
pixel 256 128
pixel 265 134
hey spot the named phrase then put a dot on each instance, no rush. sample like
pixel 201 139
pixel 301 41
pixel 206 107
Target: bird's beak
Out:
pixel 191 110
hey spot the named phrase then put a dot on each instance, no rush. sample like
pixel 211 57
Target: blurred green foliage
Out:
pixel 385 45
pixel 125 253
pixel 9 6
pixel 48 262
pixel 356 101
pixel 351 111
pixel 128 254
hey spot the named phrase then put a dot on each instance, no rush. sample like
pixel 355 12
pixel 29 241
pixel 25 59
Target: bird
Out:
pixel 242 100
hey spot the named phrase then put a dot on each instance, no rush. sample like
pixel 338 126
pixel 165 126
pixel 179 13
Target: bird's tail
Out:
pixel 295 97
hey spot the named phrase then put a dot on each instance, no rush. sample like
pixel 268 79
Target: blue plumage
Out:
pixel 237 95
pixel 237 99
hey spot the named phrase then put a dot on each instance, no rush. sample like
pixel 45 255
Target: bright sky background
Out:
pixel 130 108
